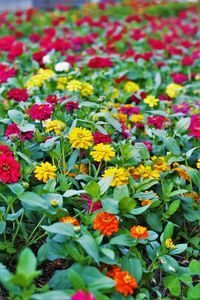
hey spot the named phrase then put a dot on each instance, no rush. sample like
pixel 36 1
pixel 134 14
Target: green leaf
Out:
pixel 71 193
pixel 179 249
pixel 178 192
pixel 15 216
pixel 123 240
pixel 90 246
pixel 60 228
pixel 194 292
pixel 16 188
pixel 195 176
pixel 76 280
pixel 16 116
pixel 172 283
pixel 110 205
pixel 172 146
pixel 2 226
pixel 144 153
pixel 103 283
pixel 120 192
pixel 154 222
pixel 140 210
pixel 145 185
pixel 168 232
pixel 27 262
pixel 194 267
pixel 172 208
pixel 182 125
pixel 133 266
pixel 93 189
pixel 33 201
pixel 104 184
pixel 53 295
pixel 72 159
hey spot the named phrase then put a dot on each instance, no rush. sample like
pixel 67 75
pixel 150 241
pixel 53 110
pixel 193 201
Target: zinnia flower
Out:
pixel 106 223
pixel 82 295
pixel 86 89
pixel 18 94
pixel 101 138
pixel 5 150
pixel 139 232
pixel 55 125
pixel 120 176
pixel 102 152
pixel 71 106
pixel 169 243
pixel 131 87
pixel 80 138
pixel 198 163
pixel 45 172
pixel 173 90
pixel 195 126
pixel 9 169
pixel 40 112
pixel 151 101
pixel 70 220
pixel 74 85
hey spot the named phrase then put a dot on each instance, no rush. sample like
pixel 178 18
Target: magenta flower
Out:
pixel 82 295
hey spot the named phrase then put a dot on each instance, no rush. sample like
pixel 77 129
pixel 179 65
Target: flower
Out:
pixel 80 138
pixel 146 202
pixel 102 152
pixel 38 79
pixel 91 206
pixel 101 138
pixel 70 220
pixel 18 94
pixel 159 163
pixel 173 90
pixel 82 295
pixel 40 112
pixel 157 121
pixel 54 202
pixel 74 85
pixel 198 163
pixel 195 126
pixel 139 232
pixel 129 109
pixel 77 169
pixel 124 282
pixel 13 133
pixel 86 89
pixel 9 169
pixel 131 87
pixel 61 83
pixel 151 101
pixel 55 125
pixel 62 66
pixel 45 171
pixel 143 171
pixel 106 223
pixel 71 106
pixel 120 175
pixel 137 118
pixel 169 243
pixel 98 62
pixel 183 108
pixel 5 150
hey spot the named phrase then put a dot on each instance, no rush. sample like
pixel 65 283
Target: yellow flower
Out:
pixel 169 243
pixel 120 176
pixel 74 85
pixel 61 83
pixel 151 101
pixel 131 87
pixel 45 171
pixel 198 163
pixel 121 117
pixel 80 138
pixel 115 93
pixel 102 152
pixel 173 90
pixel 55 125
pixel 143 171
pixel 159 163
pixel 86 89
pixel 38 79
pixel 137 118
pixel 54 202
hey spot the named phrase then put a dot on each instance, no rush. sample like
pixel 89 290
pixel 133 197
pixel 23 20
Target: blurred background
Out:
pixel 50 4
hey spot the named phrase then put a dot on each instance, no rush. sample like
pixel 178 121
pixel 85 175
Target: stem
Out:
pixel 63 156
pixel 98 170
pixel 18 226
pixel 35 228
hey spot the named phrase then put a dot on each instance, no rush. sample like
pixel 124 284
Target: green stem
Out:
pixel 98 170
pixel 36 227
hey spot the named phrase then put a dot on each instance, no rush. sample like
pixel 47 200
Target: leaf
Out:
pixel 182 125
pixel 2 226
pixel 53 295
pixel 179 249
pixel 158 80
pixel 110 205
pixel 120 192
pixel 139 211
pixel 144 153
pixel 33 201
pixel 60 228
pixel 123 240
pixel 172 208
pixel 27 263
pixel 194 267
pixel 194 292
pixel 195 176
pixel 172 146
pixel 104 184
pixel 16 116
pixel 178 192
pixel 72 159
pixel 101 284
pixel 76 280
pixel 90 246
pixel 16 188
pixel 71 193
pixel 145 185
pixel 168 232
pixel 154 222
pixel 133 266
pixel 93 189
pixel 15 216
pixel 172 283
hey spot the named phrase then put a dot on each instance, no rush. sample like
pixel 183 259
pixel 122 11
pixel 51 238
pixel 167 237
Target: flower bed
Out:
pixel 99 154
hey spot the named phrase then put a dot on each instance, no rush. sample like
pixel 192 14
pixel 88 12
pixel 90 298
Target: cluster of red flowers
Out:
pixel 9 167
pixel 99 62
pixel 18 94
pixel 13 133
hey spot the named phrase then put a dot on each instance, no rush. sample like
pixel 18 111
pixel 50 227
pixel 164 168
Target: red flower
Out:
pixel 156 121
pixel 129 109
pixel 100 62
pixel 5 150
pixel 187 61
pixel 82 295
pixel 179 78
pixel 195 126
pixel 71 106
pixel 13 133
pixel 6 42
pixel 6 72
pixel 18 94
pixel 41 112
pixel 101 138
pixel 9 169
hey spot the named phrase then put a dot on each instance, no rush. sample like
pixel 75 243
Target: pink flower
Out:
pixel 18 94
pixel 195 126
pixel 82 295
pixel 71 106
pixel 129 109
pixel 40 112
pixel 13 133
pixel 99 62
pixel 183 108
pixel 179 78
pixel 5 150
pixel 95 206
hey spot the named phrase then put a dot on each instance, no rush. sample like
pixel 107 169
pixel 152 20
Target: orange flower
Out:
pixel 139 232
pixel 70 220
pixel 146 202
pixel 106 223
pixel 192 195
pixel 125 283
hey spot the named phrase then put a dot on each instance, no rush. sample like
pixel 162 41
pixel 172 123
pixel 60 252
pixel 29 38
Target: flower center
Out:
pixel 5 167
pixel 127 278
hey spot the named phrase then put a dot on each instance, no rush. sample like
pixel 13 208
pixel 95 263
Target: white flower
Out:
pixel 62 66
pixel 46 59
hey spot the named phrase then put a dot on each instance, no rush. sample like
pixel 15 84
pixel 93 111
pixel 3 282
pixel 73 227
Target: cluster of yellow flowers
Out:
pixel 55 125
pixel 145 172
pixel 38 79
pixel 173 90
pixel 131 87
pixel 85 88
